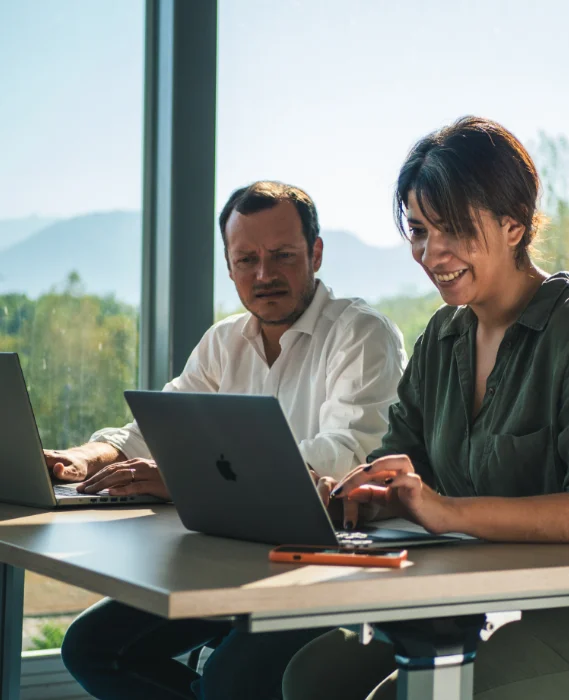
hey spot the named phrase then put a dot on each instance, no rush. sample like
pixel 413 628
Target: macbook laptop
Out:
pixel 233 469
pixel 24 476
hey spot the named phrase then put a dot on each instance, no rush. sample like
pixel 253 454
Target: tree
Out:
pixel 79 353
pixel 551 155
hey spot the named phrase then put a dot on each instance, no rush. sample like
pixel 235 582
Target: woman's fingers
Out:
pixel 368 494
pixel 351 514
pixel 382 471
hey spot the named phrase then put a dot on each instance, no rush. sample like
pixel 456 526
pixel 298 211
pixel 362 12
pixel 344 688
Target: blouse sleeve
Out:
pixel 405 433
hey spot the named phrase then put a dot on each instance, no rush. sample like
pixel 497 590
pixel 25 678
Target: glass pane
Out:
pixel 70 228
pixel 330 96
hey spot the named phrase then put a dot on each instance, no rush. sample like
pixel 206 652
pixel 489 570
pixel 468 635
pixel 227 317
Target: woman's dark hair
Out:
pixel 473 164
pixel 266 194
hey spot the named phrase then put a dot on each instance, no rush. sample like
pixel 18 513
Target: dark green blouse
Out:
pixel 519 443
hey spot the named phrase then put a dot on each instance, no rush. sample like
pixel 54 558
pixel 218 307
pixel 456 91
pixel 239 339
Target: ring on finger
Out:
pixel 132 471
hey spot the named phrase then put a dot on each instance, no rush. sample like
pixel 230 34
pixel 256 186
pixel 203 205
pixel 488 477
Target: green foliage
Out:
pixel 552 246
pixel 221 313
pixel 51 637
pixel 411 314
pixel 551 155
pixel 78 353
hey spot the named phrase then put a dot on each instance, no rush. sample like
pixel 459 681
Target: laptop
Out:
pixel 233 469
pixel 24 476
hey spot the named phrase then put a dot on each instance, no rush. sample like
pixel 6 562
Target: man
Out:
pixel 333 363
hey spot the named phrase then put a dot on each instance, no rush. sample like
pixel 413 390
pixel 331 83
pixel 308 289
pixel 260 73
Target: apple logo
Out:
pixel 224 468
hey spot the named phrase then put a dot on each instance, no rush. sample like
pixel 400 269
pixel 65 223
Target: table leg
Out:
pixel 435 658
pixel 11 618
pixel 453 681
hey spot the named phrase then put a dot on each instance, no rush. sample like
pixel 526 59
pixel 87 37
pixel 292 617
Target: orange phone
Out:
pixel 343 556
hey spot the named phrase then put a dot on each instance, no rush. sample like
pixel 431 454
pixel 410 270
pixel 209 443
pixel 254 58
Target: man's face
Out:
pixel 269 263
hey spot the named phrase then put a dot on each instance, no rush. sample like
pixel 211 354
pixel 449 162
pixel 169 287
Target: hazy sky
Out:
pixel 325 94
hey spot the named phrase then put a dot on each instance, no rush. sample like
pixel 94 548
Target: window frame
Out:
pixel 179 184
pixel 178 223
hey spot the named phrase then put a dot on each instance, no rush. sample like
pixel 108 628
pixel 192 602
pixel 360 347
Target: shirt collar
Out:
pixel 305 324
pixel 536 315
pixel 458 323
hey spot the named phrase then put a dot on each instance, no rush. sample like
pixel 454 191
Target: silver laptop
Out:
pixel 24 476
pixel 233 469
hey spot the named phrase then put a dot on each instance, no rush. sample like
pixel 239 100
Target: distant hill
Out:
pixel 14 231
pixel 105 250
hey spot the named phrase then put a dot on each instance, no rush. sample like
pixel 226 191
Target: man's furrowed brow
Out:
pixel 284 246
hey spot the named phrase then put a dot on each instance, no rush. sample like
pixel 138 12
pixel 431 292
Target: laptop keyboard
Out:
pixel 62 491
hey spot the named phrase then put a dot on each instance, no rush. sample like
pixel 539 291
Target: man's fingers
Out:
pixel 146 487
pixel 53 459
pixel 351 510
pixel 134 489
pixel 324 489
pixel 65 472
pixel 121 477
pixel 102 474
pixel 58 469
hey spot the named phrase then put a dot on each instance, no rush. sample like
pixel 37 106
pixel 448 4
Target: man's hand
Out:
pixel 133 477
pixel 325 485
pixel 67 465
pixel 79 463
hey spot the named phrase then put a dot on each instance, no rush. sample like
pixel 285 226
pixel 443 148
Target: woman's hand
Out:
pixel 367 511
pixel 133 477
pixel 391 480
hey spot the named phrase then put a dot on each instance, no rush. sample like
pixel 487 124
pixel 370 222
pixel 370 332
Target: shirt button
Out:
pixel 508 344
pixel 491 391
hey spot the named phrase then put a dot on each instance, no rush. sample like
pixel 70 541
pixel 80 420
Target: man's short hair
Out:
pixel 266 194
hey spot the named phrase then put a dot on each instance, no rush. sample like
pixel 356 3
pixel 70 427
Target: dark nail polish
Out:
pixel 366 469
pixel 388 481
pixel 349 525
pixel 336 491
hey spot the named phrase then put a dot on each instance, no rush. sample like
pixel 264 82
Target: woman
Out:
pixel 479 440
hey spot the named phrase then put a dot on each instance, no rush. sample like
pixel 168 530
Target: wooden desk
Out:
pixel 143 556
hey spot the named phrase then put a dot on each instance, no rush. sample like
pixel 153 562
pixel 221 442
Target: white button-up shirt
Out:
pixel 335 378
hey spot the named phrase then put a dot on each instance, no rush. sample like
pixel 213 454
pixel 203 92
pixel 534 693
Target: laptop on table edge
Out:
pixel 233 469
pixel 24 476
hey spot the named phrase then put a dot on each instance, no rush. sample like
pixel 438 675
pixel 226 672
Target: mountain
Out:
pixel 14 231
pixel 105 250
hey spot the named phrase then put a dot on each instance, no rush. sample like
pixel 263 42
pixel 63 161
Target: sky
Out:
pixel 325 94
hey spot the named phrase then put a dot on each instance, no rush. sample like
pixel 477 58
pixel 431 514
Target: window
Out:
pixel 330 96
pixel 70 228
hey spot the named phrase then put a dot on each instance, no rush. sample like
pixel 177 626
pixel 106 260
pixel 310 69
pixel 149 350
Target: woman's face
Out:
pixel 465 272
